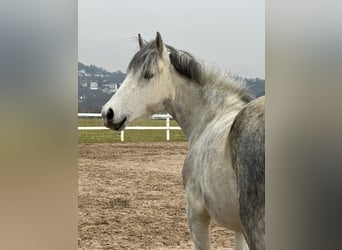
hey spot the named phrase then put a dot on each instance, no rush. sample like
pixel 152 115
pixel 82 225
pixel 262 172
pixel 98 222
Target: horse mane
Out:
pixel 187 66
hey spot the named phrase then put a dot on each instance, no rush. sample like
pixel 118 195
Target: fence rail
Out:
pixel 167 117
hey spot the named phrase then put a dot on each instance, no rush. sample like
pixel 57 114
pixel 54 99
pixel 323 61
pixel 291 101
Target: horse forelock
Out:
pixel 146 59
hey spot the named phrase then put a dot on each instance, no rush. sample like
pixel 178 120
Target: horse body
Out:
pixel 205 104
pixel 208 176
pixel 247 144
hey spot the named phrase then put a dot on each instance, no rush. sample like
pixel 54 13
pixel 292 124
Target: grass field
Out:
pixel 87 136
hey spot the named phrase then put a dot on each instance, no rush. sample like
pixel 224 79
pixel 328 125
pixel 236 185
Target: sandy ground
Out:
pixel 131 197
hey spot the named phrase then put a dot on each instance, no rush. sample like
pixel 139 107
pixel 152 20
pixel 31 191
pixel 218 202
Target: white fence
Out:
pixel 122 133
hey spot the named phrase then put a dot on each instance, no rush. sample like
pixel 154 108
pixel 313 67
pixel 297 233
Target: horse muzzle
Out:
pixel 110 122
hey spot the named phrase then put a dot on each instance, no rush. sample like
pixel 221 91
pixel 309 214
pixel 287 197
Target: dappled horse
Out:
pixel 247 149
pixel 205 104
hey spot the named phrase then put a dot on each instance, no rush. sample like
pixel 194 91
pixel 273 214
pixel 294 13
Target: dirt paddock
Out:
pixel 131 197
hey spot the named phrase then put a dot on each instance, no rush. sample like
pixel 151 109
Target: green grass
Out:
pixel 88 136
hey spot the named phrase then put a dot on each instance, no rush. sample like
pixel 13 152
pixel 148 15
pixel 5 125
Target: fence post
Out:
pixel 122 136
pixel 168 128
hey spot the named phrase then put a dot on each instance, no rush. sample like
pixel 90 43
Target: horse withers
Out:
pixel 205 104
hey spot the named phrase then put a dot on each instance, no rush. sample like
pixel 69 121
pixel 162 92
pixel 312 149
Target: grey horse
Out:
pixel 205 103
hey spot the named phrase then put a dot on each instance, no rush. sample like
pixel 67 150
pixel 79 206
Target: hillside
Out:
pixel 92 73
pixel 95 86
pixel 256 85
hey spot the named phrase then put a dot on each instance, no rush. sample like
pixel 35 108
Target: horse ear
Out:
pixel 159 43
pixel 142 42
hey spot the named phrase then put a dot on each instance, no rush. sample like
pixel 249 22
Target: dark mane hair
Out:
pixel 186 65
pixel 183 62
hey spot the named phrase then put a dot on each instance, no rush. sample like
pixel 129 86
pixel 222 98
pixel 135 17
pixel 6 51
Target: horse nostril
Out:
pixel 110 114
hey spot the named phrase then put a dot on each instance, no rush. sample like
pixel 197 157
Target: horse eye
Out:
pixel 148 75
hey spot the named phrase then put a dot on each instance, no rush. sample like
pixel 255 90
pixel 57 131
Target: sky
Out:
pixel 227 34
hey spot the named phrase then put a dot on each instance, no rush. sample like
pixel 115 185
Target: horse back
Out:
pixel 247 149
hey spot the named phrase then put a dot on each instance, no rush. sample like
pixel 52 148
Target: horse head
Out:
pixel 147 86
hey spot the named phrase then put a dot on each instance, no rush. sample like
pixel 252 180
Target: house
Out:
pixel 93 86
pixel 83 84
pixel 109 88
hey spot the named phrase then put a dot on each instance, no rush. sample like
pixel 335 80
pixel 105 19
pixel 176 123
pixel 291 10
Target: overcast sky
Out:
pixel 229 34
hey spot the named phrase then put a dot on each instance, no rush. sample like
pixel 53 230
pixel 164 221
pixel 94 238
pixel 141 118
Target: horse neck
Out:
pixel 194 106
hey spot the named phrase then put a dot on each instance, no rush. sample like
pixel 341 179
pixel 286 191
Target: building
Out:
pixel 109 88
pixel 93 86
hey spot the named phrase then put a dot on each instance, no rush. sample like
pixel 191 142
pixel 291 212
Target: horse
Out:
pixel 206 105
